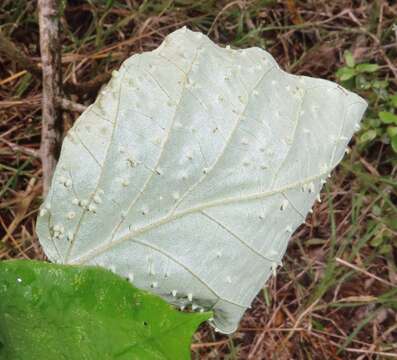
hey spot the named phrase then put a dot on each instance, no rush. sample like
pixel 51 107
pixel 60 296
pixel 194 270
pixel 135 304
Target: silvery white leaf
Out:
pixel 193 168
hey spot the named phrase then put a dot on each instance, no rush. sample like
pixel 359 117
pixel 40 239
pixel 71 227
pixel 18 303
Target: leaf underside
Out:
pixel 50 311
pixel 192 169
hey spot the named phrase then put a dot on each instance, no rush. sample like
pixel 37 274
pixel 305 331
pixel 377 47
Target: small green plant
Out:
pixel 384 224
pixel 380 122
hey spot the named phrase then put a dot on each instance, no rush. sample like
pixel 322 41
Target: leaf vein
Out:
pixel 255 196
pixel 148 180
pixel 238 121
pixel 224 227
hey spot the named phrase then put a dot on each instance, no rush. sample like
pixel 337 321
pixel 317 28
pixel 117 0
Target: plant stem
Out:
pixel 52 82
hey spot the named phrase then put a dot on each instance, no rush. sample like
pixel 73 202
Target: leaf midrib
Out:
pixel 144 229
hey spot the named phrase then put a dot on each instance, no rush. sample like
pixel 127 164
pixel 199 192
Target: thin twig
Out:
pixel 209 344
pixel 51 112
pixel 69 105
pixel 354 267
pixel 22 149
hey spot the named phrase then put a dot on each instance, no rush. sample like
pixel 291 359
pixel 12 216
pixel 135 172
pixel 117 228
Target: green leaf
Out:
pixel 368 68
pixel 374 123
pixel 393 143
pixel 349 59
pixel 377 210
pixel 368 136
pixel 391 131
pixel 388 117
pixel 393 99
pixel 377 241
pixel 386 249
pixel 345 73
pixel 380 84
pixel 50 311
pixel 362 82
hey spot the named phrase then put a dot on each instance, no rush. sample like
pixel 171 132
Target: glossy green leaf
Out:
pixel 368 68
pixel 50 312
pixel 194 161
pixel 368 136
pixel 346 73
pixel 391 131
pixel 388 117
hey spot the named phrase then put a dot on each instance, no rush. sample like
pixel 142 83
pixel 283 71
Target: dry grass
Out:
pixel 336 296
